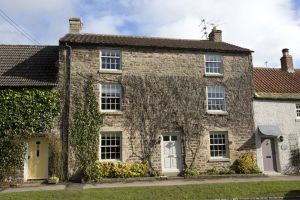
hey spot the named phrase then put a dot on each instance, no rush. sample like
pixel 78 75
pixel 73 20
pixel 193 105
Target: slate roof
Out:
pixel 139 41
pixel 28 65
pixel 275 82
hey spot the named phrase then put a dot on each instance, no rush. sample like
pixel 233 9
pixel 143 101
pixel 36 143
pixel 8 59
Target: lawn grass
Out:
pixel 207 191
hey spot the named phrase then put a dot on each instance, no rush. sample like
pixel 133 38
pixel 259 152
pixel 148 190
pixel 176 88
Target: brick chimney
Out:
pixel 215 35
pixel 75 25
pixel 287 61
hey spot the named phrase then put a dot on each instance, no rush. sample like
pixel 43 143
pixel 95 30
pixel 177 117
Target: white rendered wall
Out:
pixel 282 114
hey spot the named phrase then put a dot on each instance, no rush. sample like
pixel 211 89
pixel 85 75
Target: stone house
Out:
pixel 224 69
pixel 29 66
pixel 277 115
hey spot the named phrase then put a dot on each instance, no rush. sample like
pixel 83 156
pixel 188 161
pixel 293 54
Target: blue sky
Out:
pixel 264 26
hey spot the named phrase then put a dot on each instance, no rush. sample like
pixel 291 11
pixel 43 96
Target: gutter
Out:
pixel 277 96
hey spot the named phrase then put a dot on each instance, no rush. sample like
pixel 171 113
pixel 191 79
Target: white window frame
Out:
pixel 218 61
pixel 100 59
pixel 100 97
pixel 225 133
pixel 119 133
pixel 297 110
pixel 224 99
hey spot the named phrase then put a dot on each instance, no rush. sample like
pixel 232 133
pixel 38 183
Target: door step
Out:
pixel 32 183
pixel 171 174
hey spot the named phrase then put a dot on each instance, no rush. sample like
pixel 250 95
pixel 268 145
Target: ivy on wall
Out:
pixel 86 123
pixel 24 112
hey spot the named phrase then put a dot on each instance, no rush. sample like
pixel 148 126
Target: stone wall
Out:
pixel 85 62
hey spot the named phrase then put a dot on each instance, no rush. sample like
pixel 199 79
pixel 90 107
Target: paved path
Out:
pixel 78 186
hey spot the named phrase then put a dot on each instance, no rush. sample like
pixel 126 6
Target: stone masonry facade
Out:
pixel 237 79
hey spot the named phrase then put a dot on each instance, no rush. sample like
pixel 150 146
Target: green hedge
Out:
pixel 24 112
pixel 100 170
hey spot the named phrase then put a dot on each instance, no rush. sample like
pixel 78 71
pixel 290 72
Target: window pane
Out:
pixel 110 145
pixel 298 110
pixel 110 59
pixel 173 138
pixel 213 64
pixel 110 97
pixel 215 98
pixel 218 144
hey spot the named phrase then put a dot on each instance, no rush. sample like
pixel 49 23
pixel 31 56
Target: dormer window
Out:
pixel 110 60
pixel 213 64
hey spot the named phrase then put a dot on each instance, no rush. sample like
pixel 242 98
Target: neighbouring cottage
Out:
pixel 277 116
pixel 29 67
pixel 221 71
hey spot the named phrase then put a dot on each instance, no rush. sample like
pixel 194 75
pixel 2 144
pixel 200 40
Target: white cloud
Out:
pixel 263 26
pixel 103 25
pixel 45 20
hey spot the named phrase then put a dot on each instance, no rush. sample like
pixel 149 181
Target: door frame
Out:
pixel 179 169
pixel 273 143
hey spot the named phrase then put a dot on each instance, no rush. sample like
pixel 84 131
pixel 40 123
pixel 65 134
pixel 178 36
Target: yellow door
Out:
pixel 38 158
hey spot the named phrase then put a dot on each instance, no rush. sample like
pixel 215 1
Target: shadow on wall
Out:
pixel 292 195
pixel 249 144
pixel 294 163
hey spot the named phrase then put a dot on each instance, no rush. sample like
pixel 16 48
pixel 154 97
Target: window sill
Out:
pixel 297 120
pixel 213 75
pixel 110 160
pixel 219 160
pixel 217 112
pixel 111 112
pixel 106 71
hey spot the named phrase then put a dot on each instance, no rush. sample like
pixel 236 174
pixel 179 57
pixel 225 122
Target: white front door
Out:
pixel 171 160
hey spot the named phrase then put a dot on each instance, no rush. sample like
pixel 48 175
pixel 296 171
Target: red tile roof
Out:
pixel 140 41
pixel 275 80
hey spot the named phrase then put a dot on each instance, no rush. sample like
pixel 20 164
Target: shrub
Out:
pixel 226 170
pixel 213 171
pixel 246 164
pixel 100 170
pixel 190 172
pixel 295 158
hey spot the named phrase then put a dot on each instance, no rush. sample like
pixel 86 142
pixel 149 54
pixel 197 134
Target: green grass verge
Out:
pixel 207 191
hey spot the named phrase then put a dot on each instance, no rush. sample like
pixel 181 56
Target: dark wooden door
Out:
pixel 268 152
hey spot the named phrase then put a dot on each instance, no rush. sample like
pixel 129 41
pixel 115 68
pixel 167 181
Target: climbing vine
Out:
pixel 86 123
pixel 24 112
pixel 157 104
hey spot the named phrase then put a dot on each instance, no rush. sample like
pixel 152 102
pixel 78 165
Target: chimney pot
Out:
pixel 285 52
pixel 215 35
pixel 75 25
pixel 287 61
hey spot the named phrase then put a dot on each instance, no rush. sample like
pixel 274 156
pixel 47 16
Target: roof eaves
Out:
pixel 277 96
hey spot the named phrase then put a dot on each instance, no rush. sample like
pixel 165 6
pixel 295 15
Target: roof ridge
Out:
pixel 272 68
pixel 140 36
pixel 150 41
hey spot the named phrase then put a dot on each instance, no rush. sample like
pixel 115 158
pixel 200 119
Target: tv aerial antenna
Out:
pixel 205 26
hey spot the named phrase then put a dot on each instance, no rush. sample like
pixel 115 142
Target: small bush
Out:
pixel 226 170
pixel 213 171
pixel 156 173
pixel 190 172
pixel 246 164
pixel 295 158
pixel 100 170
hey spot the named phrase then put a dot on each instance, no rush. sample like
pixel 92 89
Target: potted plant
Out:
pixel 53 180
